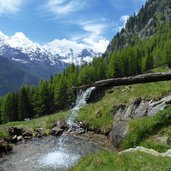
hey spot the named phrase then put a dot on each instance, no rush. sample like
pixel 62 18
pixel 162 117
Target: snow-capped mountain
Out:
pixel 21 49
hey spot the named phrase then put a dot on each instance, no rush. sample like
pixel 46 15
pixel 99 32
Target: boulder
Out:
pixel 118 133
pixel 14 139
pixel 27 135
pixel 15 131
pixel 39 132
pixel 61 125
pixel 57 131
pixel 20 138
pixel 4 146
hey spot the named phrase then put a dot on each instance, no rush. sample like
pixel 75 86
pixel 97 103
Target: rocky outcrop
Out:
pixel 59 127
pixel 139 108
pixel 142 25
pixel 148 151
pixel 19 134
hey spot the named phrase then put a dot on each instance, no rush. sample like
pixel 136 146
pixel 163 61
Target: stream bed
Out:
pixel 49 153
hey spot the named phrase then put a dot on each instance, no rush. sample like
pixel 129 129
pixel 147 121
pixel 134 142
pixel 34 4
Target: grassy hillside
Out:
pixel 45 122
pixel 99 115
pixel 154 132
pixel 109 161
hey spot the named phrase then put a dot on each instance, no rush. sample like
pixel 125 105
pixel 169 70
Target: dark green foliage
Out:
pixel 167 51
pixel 60 93
pixel 24 104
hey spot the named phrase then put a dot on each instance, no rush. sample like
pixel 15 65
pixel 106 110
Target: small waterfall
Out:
pixel 80 102
pixel 54 153
pixel 62 156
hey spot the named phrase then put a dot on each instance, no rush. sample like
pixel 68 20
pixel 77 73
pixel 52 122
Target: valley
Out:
pixel 73 104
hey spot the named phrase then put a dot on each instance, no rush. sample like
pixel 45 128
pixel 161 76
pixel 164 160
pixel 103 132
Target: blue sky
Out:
pixel 92 22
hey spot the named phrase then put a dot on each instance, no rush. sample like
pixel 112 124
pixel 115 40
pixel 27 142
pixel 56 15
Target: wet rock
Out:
pixel 39 132
pixel 57 131
pixel 137 101
pixel 61 125
pixel 118 133
pixel 80 131
pixel 138 109
pixel 14 139
pixel 20 138
pixel 4 146
pixel 15 131
pixel 27 135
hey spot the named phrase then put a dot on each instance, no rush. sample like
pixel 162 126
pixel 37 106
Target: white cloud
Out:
pixel 97 45
pixel 124 19
pixel 93 35
pixel 10 6
pixel 63 7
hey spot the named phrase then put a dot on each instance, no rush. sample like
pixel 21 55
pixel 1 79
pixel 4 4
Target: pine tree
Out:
pixel 60 94
pixel 24 104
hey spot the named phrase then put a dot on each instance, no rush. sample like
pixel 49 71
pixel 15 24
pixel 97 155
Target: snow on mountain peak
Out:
pixel 64 50
pixel 64 47
pixel 20 41
pixel 20 35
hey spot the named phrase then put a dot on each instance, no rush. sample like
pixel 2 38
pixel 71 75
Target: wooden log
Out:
pixel 144 78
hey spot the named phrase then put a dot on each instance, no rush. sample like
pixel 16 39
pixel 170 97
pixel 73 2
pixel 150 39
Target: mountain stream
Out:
pixel 51 153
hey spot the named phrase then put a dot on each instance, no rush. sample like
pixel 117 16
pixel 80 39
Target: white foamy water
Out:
pixel 59 159
pixel 80 102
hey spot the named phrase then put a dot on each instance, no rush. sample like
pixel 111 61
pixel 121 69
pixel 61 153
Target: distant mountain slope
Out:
pixel 41 61
pixel 12 77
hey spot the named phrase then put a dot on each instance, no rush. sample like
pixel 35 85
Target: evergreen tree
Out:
pixel 60 94
pixel 24 104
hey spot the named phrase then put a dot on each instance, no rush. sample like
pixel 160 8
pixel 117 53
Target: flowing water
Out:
pixel 80 102
pixel 51 153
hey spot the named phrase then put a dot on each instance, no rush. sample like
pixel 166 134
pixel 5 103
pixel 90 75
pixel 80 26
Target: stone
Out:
pixel 27 137
pixel 38 135
pixel 14 139
pixel 57 131
pixel 27 134
pixel 148 151
pixel 137 101
pixel 38 130
pixel 118 133
pixel 61 125
pixel 20 138
pixel 4 146
pixel 15 131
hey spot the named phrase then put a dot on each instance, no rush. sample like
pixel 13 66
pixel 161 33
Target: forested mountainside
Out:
pixel 12 76
pixel 136 49
pixel 143 25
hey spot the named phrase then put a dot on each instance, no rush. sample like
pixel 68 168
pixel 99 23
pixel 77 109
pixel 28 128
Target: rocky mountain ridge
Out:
pixel 22 49
pixel 142 25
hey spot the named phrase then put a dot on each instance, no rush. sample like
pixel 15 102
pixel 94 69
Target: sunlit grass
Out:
pixel 45 122
pixel 110 161
pixel 100 114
